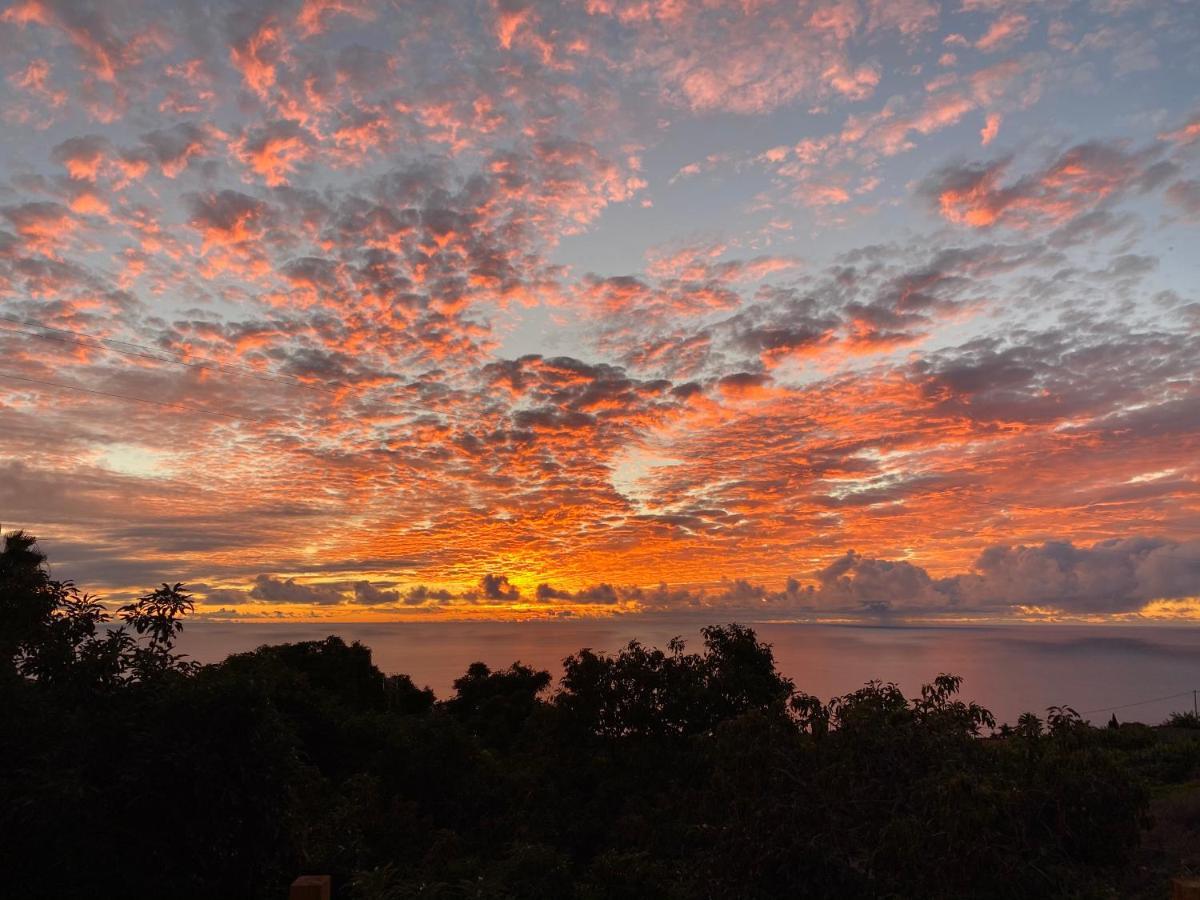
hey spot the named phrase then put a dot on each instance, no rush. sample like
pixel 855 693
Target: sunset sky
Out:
pixel 465 309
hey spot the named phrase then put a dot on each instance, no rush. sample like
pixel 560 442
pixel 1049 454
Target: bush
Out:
pixel 132 773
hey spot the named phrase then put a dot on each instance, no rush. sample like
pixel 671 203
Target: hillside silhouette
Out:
pixel 130 771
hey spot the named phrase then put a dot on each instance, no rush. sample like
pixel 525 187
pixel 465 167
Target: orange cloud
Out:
pixel 274 151
pixel 1004 31
pixel 1186 134
pixel 458 333
pixel 510 16
pixel 990 129
pixel 314 14
pixel 257 56
pixel 35 79
pixel 44 227
pixel 1078 180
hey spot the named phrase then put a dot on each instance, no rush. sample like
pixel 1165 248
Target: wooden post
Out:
pixel 1186 888
pixel 314 887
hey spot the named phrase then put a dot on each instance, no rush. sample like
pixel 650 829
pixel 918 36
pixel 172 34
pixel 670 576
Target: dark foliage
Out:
pixel 129 772
pixel 1183 720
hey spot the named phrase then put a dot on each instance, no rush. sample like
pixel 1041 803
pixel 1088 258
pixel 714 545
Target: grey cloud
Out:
pixel 1113 576
pixel 497 587
pixel 224 210
pixel 1055 374
pixel 1185 194
pixel 1110 576
pixel 370 595
pixel 270 589
pixel 86 147
pixel 173 146
pixel 855 581
pixel 419 594
pixel 603 594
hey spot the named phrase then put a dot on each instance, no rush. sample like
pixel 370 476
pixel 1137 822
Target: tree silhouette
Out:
pixel 643 773
pixel 55 634
pixel 28 598
pixel 158 614
pixel 642 691
pixel 495 705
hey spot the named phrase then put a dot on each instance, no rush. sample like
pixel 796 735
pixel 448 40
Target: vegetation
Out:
pixel 130 772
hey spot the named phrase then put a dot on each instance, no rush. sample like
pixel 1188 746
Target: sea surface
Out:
pixel 1008 668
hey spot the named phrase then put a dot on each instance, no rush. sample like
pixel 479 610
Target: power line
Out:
pixel 181 406
pixel 1137 703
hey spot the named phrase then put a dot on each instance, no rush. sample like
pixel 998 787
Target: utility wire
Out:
pixel 1136 703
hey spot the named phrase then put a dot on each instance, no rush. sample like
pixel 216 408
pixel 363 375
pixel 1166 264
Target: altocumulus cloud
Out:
pixel 348 220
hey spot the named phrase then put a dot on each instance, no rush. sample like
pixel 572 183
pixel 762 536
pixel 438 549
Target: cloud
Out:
pixel 1185 194
pixel 369 595
pixel 44 226
pixel 82 156
pixel 599 594
pixel 991 128
pixel 315 15
pixel 175 147
pixel 1081 178
pixel 410 288
pixel 271 589
pixel 88 28
pixel 1120 575
pixel 1003 32
pixel 497 587
pixel 273 151
pixel 35 78
pixel 227 217
pixel 1188 132
pixel 854 581
pixel 710 57
pixel 256 50
pixel 421 594
pixel 1114 576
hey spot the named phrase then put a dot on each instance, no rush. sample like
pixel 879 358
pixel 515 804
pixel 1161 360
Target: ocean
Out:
pixel 1009 669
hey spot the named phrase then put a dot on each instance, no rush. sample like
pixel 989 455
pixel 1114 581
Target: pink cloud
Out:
pixel 274 151
pixel 257 56
pixel 1185 134
pixel 908 17
pixel 1078 180
pixel 1003 32
pixel 314 14
pixel 990 129
pixel 35 78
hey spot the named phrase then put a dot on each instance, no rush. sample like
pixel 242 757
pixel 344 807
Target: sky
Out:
pixel 826 311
